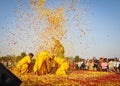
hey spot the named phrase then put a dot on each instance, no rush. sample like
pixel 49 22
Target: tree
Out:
pixel 77 58
pixel 23 54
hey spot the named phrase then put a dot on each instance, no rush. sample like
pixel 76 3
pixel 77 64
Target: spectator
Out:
pixel 91 65
pixel 83 65
pixel 99 64
pixel 72 66
pixel 111 65
pixel 87 64
pixel 116 64
pixel 79 64
pixel 95 63
pixel 104 65
pixel 119 66
pixel 76 66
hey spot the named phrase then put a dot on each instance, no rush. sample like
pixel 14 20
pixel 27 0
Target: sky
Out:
pixel 106 27
pixel 100 19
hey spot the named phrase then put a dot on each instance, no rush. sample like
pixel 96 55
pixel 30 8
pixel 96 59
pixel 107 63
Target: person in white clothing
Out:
pixel 116 65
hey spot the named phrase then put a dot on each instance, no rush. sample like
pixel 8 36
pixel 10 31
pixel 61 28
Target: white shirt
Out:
pixel 116 64
pixel 79 64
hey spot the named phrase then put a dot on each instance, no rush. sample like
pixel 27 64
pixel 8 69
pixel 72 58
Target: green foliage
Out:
pixel 77 58
pixel 23 54
pixel 12 59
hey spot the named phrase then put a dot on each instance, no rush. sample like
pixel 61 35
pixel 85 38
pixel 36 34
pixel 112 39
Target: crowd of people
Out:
pixel 103 64
pixel 45 63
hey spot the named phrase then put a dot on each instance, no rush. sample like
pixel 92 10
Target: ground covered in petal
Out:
pixel 76 78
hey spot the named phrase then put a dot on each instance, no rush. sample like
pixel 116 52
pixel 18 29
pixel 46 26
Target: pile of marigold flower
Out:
pixel 76 78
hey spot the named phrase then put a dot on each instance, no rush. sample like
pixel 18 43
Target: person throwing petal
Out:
pixel 24 63
pixel 42 63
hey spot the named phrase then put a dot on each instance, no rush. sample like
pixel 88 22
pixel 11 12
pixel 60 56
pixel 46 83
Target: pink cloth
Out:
pixel 72 66
pixel 104 65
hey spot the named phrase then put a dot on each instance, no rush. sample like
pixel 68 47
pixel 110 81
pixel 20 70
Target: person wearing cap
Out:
pixel 42 63
pixel 23 64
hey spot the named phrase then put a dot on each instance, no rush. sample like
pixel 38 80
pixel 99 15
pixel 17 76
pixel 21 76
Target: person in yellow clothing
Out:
pixel 63 66
pixel 91 65
pixel 23 64
pixel 58 49
pixel 42 63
